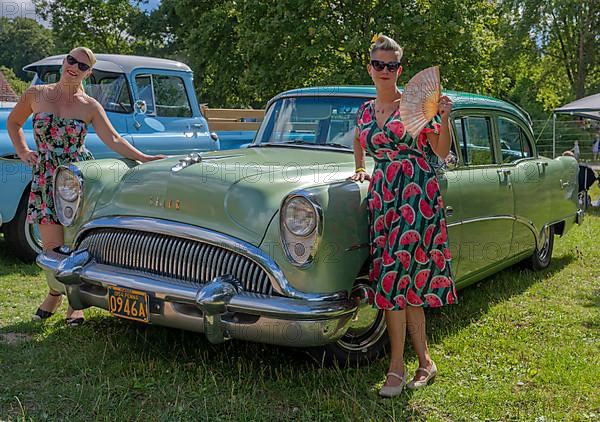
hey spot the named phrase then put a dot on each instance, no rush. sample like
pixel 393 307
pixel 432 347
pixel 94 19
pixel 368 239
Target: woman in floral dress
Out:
pixel 61 115
pixel 410 258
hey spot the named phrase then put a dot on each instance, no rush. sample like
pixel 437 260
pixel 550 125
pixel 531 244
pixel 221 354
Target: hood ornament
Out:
pixel 193 158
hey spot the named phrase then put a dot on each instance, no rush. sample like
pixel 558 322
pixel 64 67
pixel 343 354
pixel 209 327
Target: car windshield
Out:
pixel 315 121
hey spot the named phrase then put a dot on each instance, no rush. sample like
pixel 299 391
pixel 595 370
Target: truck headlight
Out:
pixel 68 187
pixel 301 225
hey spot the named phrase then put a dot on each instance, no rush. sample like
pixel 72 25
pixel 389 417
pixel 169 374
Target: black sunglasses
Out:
pixel 82 66
pixel 379 65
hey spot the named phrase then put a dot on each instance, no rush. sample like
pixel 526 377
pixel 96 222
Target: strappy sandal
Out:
pixel 395 390
pixel 74 322
pixel 429 377
pixel 42 314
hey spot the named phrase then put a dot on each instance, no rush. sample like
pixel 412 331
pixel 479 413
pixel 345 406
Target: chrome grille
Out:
pixel 183 260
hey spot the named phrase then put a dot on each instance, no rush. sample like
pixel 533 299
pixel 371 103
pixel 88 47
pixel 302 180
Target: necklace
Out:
pixel 385 109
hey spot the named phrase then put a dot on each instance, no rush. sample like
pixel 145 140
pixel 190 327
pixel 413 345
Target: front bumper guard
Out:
pixel 220 309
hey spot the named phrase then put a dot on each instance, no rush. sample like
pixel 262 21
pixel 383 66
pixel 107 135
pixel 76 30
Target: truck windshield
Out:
pixel 311 120
pixel 108 88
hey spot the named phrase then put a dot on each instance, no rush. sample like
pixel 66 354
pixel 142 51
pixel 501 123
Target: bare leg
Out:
pixel 396 328
pixel 415 322
pixel 53 236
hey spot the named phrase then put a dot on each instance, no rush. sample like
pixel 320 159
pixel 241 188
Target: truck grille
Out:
pixel 182 260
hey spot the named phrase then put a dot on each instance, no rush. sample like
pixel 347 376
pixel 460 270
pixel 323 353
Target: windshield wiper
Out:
pixel 299 142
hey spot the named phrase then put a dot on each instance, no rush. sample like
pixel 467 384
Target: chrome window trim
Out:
pixel 172 228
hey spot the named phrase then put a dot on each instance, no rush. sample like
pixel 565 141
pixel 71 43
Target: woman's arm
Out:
pixel 440 144
pixel 15 121
pixel 359 160
pixel 111 138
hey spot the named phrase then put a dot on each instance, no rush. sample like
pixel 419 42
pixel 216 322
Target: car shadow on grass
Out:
pixel 475 300
pixel 10 265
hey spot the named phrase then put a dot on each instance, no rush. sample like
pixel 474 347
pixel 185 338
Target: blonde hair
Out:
pixel 386 43
pixel 89 53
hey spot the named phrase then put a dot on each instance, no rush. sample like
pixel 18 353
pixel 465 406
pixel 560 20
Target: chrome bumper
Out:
pixel 218 309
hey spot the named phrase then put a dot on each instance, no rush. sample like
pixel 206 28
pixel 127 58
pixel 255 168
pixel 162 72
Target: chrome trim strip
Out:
pixel 528 223
pixel 172 228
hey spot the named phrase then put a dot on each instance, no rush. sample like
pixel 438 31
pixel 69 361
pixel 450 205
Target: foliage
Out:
pixel 18 85
pixel 555 44
pixel 102 25
pixel 23 41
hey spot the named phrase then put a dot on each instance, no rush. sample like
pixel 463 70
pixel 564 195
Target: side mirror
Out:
pixel 139 107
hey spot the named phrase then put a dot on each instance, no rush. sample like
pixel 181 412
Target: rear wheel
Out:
pixel 366 338
pixel 23 238
pixel 542 256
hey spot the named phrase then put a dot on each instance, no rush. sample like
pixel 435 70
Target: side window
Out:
pixel 171 97
pixel 143 84
pixel 475 137
pixel 165 95
pixel 513 142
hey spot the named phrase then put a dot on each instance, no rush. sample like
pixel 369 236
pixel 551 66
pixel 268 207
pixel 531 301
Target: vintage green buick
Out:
pixel 269 243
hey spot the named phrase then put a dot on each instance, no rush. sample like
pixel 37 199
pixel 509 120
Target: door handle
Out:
pixel 198 125
pixel 449 211
pixel 506 174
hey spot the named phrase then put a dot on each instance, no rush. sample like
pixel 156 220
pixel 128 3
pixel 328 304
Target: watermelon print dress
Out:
pixel 410 258
pixel 59 141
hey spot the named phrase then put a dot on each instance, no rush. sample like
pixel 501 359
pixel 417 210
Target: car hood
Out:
pixel 236 192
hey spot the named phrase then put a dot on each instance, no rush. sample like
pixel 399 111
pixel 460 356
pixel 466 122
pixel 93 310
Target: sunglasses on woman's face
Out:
pixel 379 65
pixel 82 66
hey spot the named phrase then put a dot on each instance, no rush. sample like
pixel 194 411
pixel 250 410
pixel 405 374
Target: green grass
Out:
pixel 519 346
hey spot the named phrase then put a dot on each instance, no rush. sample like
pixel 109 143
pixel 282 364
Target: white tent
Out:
pixel 587 107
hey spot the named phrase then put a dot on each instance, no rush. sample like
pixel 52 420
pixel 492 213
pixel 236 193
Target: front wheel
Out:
pixel 366 339
pixel 541 257
pixel 23 238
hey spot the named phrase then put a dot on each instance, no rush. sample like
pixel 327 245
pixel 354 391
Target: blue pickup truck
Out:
pixel 151 103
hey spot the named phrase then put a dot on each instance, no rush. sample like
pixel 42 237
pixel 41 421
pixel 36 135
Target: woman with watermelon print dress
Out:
pixel 61 114
pixel 410 259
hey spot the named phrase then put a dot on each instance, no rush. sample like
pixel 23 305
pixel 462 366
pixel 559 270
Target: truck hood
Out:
pixel 236 192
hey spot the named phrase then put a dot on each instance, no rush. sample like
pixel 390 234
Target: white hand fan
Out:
pixel 420 98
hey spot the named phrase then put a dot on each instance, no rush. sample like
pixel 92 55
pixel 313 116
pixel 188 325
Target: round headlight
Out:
pixel 300 216
pixel 67 185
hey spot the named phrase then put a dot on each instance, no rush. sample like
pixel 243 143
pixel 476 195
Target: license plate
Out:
pixel 127 303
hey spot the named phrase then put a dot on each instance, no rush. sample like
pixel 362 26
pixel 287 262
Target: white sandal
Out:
pixel 391 391
pixel 430 375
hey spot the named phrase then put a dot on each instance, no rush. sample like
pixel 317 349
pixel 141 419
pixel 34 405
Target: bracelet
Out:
pixel 358 170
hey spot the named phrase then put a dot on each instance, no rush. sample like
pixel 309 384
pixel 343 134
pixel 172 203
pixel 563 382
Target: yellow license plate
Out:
pixel 127 303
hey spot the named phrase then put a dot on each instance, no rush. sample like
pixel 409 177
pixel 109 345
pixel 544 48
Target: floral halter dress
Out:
pixel 59 141
pixel 410 258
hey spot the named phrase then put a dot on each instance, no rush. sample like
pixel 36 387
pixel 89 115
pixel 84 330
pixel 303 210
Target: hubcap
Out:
pixel 367 325
pixel 32 234
pixel 543 252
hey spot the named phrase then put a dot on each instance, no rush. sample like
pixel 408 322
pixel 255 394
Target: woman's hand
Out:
pixel 360 176
pixel 444 107
pixel 29 157
pixel 147 157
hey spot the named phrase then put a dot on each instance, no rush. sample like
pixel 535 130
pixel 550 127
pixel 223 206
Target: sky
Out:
pixel 25 9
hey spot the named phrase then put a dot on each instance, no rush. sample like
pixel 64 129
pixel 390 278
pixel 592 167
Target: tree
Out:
pixel 102 25
pixel 566 32
pixel 23 41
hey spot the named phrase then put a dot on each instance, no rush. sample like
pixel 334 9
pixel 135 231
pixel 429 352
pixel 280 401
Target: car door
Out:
pixel 529 174
pixel 171 124
pixel 486 195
